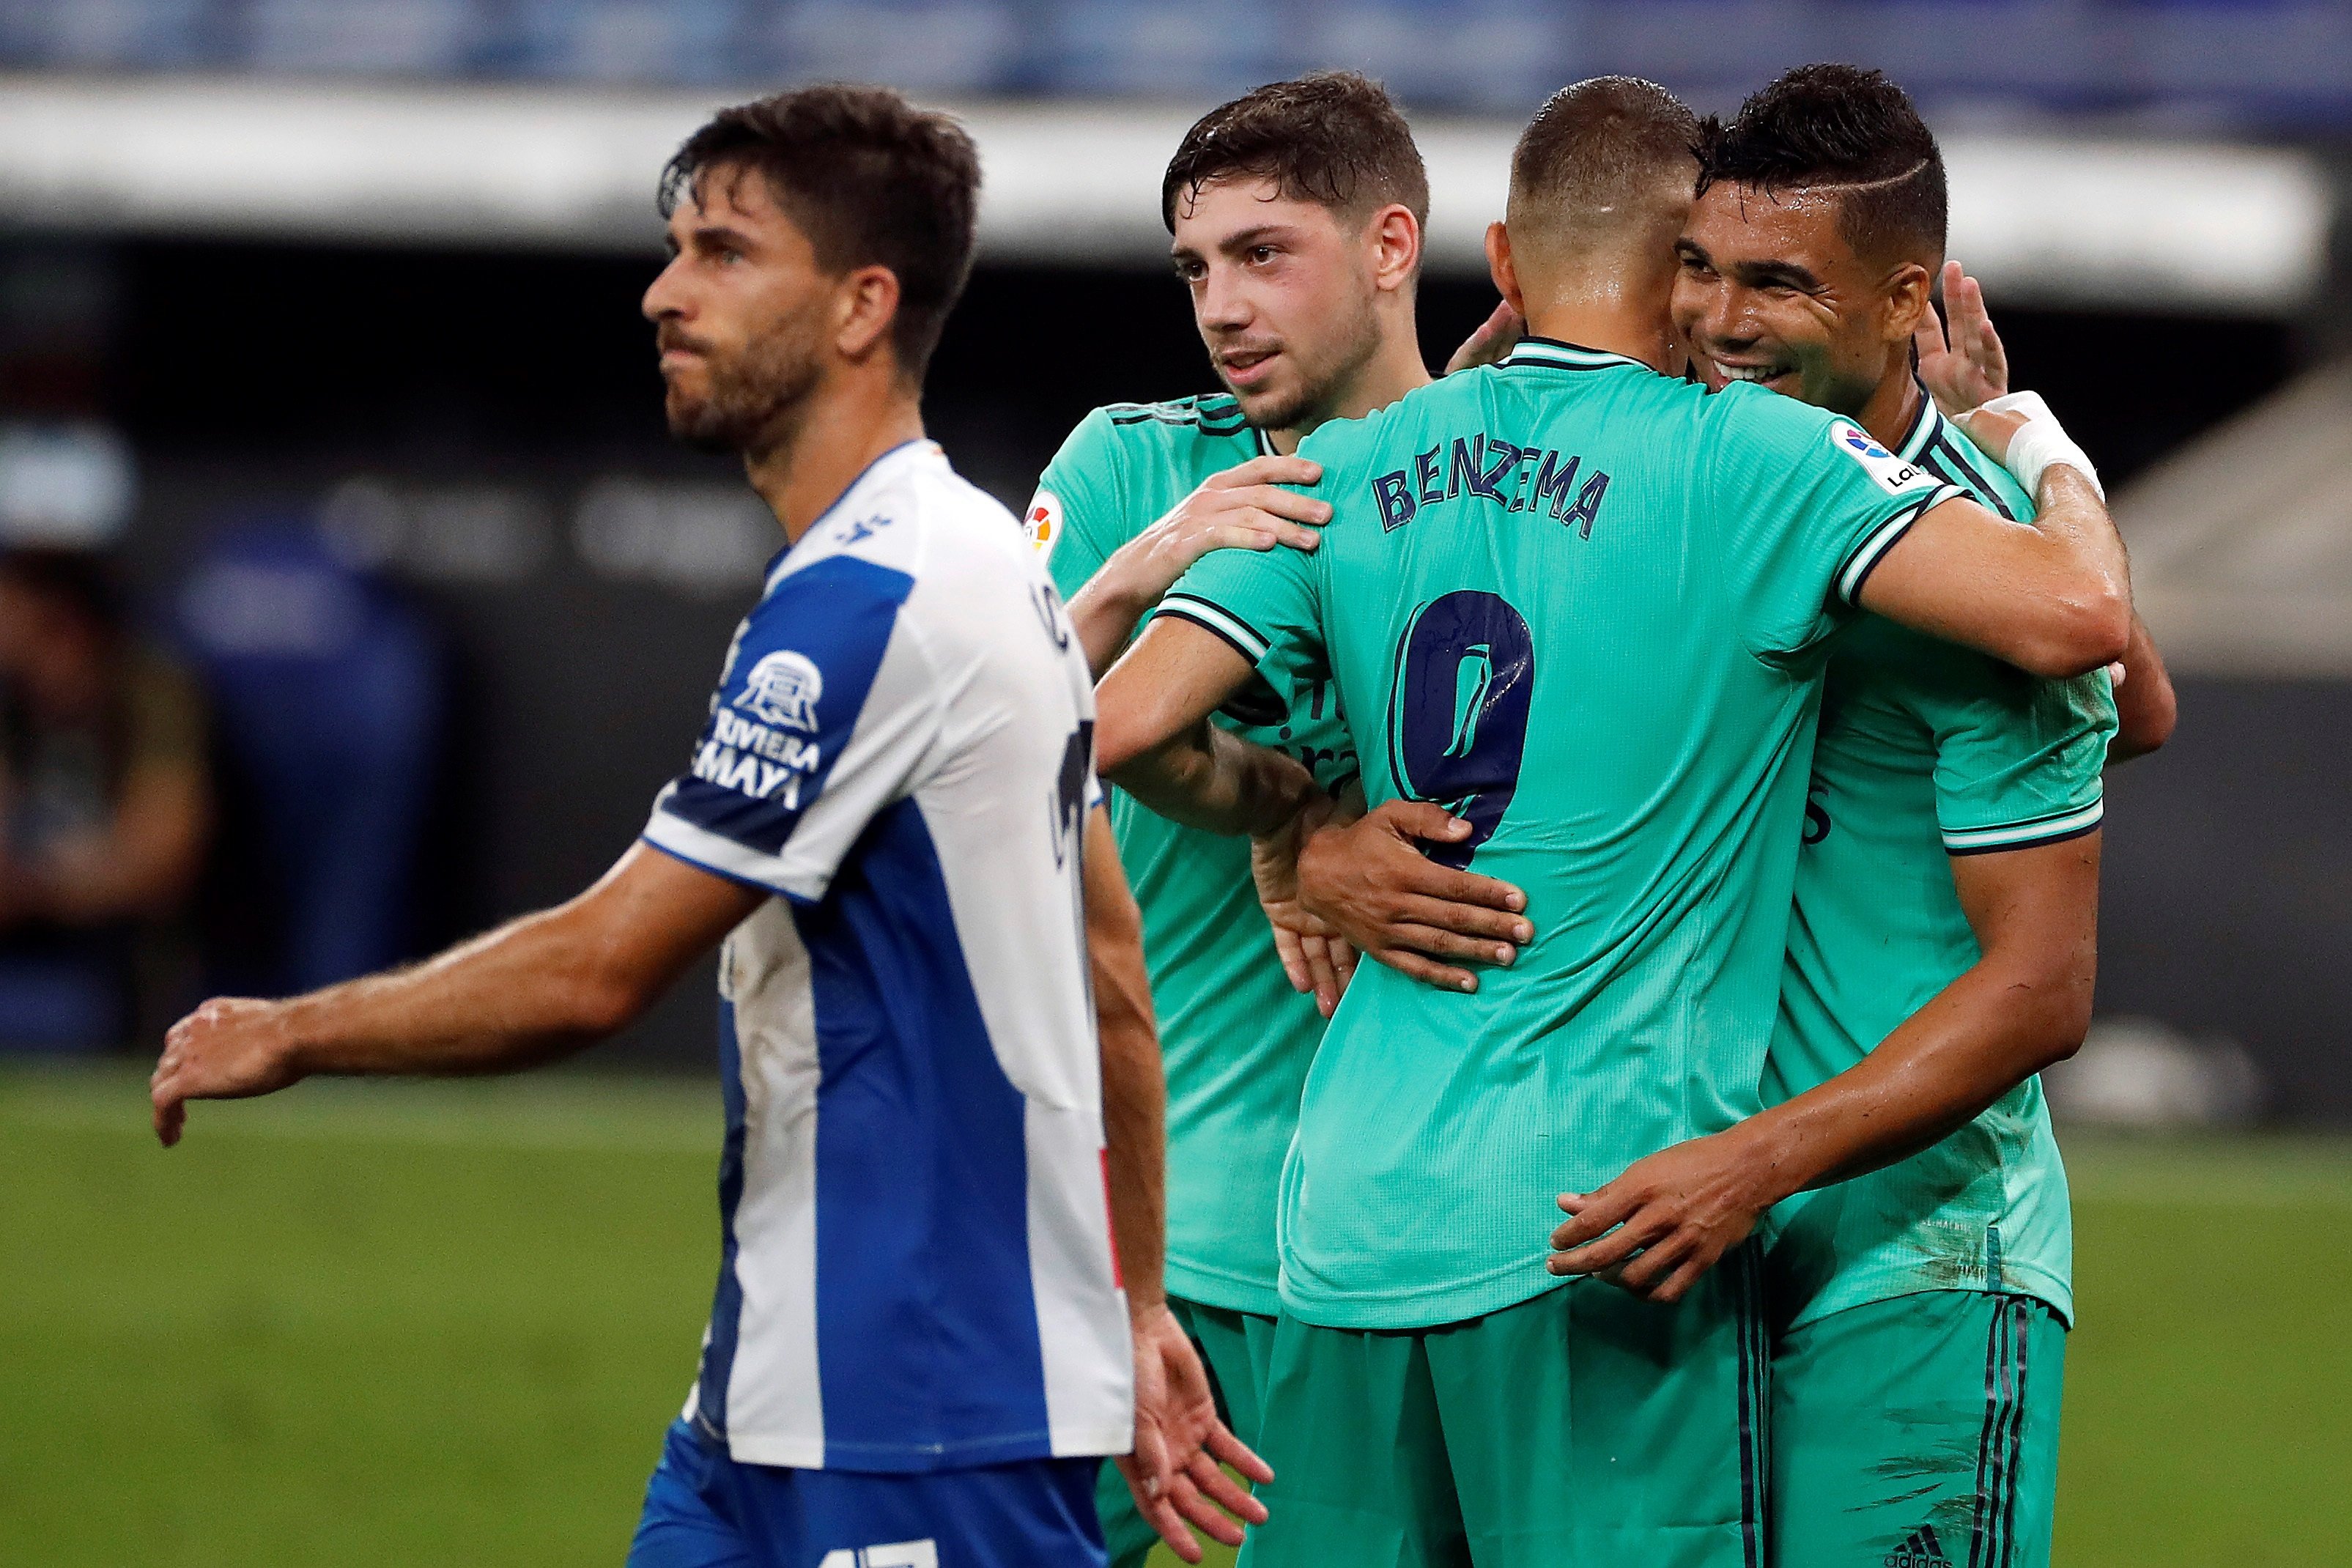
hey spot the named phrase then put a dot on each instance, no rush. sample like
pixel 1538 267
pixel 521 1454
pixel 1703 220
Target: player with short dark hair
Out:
pixel 1295 216
pixel 936 1046
pixel 1945 932
pixel 1586 603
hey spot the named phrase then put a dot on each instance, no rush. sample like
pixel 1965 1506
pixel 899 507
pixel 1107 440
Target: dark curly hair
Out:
pixel 1334 138
pixel 1843 128
pixel 871 180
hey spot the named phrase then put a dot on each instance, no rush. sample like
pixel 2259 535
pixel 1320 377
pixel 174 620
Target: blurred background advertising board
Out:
pixel 318 325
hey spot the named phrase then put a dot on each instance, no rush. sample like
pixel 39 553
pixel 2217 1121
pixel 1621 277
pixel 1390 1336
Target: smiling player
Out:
pixel 1588 602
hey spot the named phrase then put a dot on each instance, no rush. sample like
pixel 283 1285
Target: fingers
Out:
pixel 1592 1215
pixel 1489 925
pixel 1228 1494
pixel 1429 972
pixel 1271 470
pixel 1324 979
pixel 171 1117
pixel 1439 941
pixel 1421 819
pixel 1343 960
pixel 1639 1229
pixel 1152 1501
pixel 1291 948
pixel 1227 1450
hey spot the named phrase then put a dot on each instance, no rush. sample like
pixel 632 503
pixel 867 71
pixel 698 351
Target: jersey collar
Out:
pixel 1926 428
pixel 1558 355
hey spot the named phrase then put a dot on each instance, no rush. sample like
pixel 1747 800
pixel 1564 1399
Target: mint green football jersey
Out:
pixel 1926 751
pixel 1583 606
pixel 1235 1037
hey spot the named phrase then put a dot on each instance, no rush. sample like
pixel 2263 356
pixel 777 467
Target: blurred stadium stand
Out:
pixel 2202 63
pixel 374 264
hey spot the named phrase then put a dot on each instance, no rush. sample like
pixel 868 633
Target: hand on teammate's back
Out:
pixel 1961 359
pixel 1175 1468
pixel 1315 957
pixel 1371 882
pixel 1667 1219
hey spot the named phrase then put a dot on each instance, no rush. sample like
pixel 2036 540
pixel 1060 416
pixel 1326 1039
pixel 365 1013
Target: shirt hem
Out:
pixel 1452 1303
pixel 905 1458
pixel 1225 1293
pixel 1865 1290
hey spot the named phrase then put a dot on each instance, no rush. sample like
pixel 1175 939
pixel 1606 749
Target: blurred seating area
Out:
pixel 2195 63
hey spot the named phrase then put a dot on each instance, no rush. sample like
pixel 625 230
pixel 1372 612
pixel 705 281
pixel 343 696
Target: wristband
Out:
pixel 2040 444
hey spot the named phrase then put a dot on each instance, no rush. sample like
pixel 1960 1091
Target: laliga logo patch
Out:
pixel 1889 472
pixel 783 688
pixel 1042 524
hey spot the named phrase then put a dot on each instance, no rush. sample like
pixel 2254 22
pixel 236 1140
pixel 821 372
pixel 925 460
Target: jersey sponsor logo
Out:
pixel 1042 524
pixel 1515 478
pixel 783 688
pixel 924 1554
pixel 754 760
pixel 1889 472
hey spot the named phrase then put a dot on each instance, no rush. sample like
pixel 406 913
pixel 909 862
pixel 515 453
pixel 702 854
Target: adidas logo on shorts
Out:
pixel 1921 1550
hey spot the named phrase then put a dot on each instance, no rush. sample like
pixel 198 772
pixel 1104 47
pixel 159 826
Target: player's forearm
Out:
pixel 532 990
pixel 2145 708
pixel 1212 779
pixel 1135 1091
pixel 1977 1039
pixel 1106 611
pixel 2087 593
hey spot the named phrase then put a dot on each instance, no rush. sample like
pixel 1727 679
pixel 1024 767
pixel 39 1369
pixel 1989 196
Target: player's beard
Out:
pixel 754 397
pixel 1320 387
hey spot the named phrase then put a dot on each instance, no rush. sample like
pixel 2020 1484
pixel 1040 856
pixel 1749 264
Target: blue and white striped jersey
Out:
pixel 917 1271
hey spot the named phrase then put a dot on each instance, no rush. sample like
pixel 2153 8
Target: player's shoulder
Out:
pixel 908 518
pixel 1181 432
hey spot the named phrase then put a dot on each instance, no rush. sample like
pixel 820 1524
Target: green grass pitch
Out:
pixel 445 1324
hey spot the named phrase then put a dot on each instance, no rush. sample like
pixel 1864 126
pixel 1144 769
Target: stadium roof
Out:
pixel 2042 219
pixel 2242 542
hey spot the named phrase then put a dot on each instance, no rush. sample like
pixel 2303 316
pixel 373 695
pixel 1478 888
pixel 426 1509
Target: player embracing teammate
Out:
pixel 1592 610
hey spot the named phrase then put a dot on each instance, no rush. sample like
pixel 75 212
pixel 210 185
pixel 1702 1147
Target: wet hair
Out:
pixel 871 180
pixel 1598 153
pixel 1334 138
pixel 1843 128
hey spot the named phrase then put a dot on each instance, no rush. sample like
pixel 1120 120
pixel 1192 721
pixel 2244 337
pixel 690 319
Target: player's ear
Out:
pixel 864 305
pixel 1505 272
pixel 1394 235
pixel 1909 299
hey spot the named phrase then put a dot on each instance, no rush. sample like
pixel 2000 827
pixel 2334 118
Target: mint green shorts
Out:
pixel 1920 1432
pixel 1581 1429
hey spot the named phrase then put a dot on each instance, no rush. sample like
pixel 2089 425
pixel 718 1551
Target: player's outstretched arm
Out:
pixel 1243 508
pixel 1153 738
pixel 1180 1443
pixel 2024 1004
pixel 536 988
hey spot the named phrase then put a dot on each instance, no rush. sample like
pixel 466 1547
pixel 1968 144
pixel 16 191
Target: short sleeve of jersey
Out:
pixel 1073 520
pixel 2018 759
pixel 1259 601
pixel 1807 504
pixel 822 718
